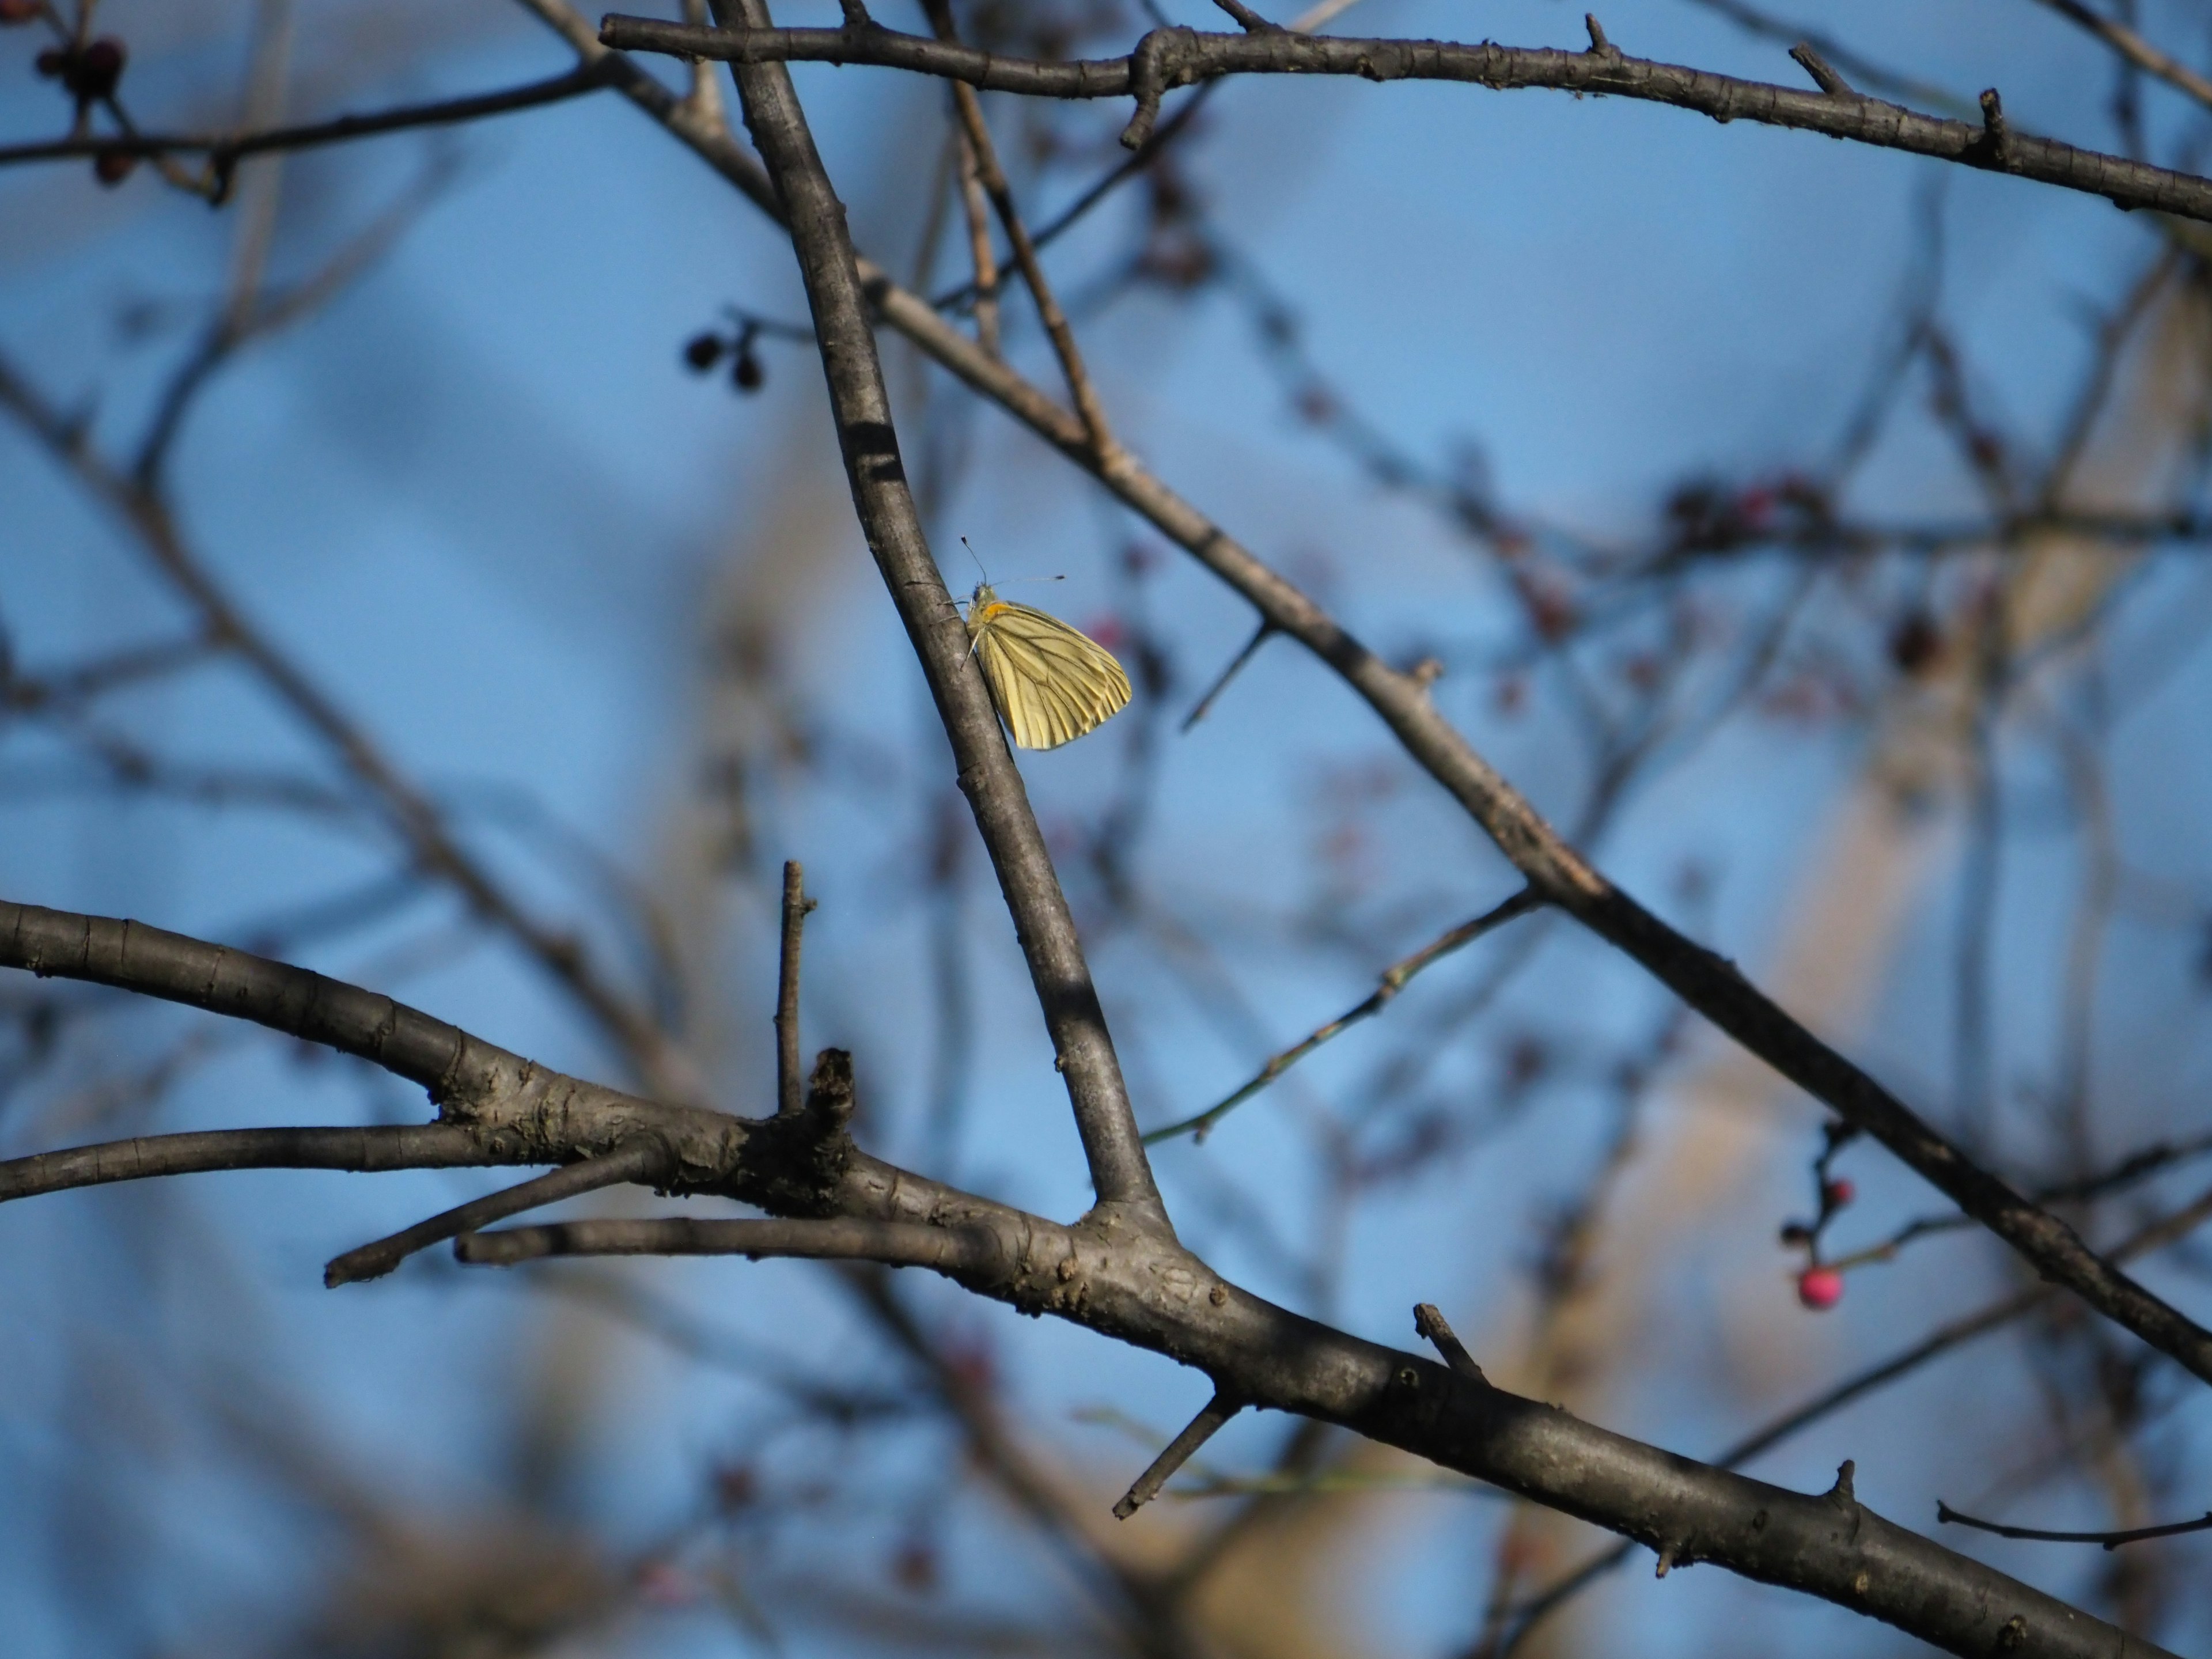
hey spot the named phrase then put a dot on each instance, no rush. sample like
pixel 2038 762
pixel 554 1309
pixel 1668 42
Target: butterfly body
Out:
pixel 1051 683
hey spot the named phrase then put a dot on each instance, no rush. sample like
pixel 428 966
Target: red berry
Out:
pixel 1839 1192
pixel 17 11
pixel 1820 1288
pixel 113 167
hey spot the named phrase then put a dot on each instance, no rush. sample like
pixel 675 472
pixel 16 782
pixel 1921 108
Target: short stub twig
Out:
pixel 1429 1322
pixel 1200 1430
pixel 796 905
pixel 1824 75
pixel 642 1159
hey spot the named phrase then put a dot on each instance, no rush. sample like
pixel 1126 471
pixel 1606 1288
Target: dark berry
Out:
pixel 746 374
pixel 703 352
pixel 98 67
pixel 51 62
pixel 113 167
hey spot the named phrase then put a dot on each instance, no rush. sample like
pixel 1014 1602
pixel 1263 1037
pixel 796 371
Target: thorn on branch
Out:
pixel 1824 75
pixel 1429 1323
pixel 1841 1493
pixel 856 15
pixel 796 905
pixel 1200 1430
pixel 1998 135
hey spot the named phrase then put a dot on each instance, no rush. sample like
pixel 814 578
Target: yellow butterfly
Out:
pixel 1051 683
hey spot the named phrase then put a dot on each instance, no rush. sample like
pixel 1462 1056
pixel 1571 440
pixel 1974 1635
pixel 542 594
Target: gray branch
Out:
pixel 1131 1283
pixel 844 328
pixel 1169 57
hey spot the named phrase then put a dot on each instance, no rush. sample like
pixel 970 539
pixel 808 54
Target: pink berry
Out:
pixel 1840 1192
pixel 1820 1288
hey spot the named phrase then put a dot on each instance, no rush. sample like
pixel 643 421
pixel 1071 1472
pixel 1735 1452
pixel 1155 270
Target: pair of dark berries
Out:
pixel 705 350
pixel 89 72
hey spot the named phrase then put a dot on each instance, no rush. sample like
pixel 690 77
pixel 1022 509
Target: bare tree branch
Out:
pixel 1177 1452
pixel 2134 48
pixel 1133 1284
pixel 224 151
pixel 369 1151
pixel 988 774
pixel 1170 57
pixel 642 1159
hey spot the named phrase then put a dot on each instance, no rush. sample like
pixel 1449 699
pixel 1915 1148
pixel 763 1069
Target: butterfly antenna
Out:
pixel 979 562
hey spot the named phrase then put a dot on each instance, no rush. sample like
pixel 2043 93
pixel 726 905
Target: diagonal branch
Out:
pixel 642 1159
pixel 861 409
pixel 1170 57
pixel 1392 979
pixel 992 178
pixel 1177 1452
pixel 1134 1284
pixel 2134 48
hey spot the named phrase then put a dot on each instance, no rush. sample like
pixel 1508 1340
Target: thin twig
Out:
pixel 1200 708
pixel 992 178
pixel 789 1088
pixel 1946 1516
pixel 2136 50
pixel 224 151
pixel 1392 979
pixel 1177 1452
pixel 1953 1333
pixel 977 212
pixel 643 1159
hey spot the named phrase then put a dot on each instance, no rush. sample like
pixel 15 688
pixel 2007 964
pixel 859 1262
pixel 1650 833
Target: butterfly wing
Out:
pixel 1051 681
